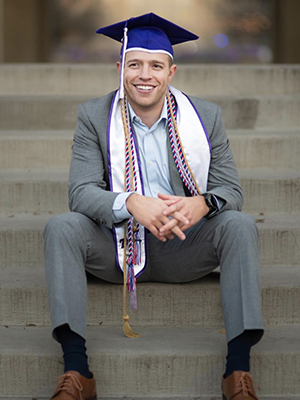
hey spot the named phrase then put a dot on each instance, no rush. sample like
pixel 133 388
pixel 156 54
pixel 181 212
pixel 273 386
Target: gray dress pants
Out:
pixel 74 242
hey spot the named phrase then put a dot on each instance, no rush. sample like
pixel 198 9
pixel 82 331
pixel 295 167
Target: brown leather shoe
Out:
pixel 73 386
pixel 238 386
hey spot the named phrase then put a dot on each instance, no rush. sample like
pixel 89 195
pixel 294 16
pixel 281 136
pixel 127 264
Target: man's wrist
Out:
pixel 212 204
pixel 119 209
pixel 129 202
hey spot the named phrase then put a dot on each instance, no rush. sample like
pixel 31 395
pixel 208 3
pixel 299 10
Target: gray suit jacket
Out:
pixel 89 191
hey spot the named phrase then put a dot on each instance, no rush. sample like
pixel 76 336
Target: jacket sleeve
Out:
pixel 223 180
pixel 88 182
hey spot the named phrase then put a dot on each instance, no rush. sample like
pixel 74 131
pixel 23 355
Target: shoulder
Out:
pixel 209 112
pixel 203 105
pixel 205 108
pixel 98 106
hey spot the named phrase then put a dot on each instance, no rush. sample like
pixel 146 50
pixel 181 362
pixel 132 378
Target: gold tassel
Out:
pixel 127 328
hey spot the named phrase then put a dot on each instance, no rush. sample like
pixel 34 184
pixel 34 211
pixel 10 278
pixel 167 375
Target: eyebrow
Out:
pixel 139 60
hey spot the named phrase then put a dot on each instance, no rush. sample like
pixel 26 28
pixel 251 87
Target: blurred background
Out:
pixel 231 31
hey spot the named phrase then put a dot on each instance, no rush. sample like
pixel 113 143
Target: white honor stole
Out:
pixel 196 148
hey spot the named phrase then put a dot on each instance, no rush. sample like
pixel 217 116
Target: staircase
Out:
pixel 182 350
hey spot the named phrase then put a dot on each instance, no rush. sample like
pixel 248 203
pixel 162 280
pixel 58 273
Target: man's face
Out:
pixel 146 77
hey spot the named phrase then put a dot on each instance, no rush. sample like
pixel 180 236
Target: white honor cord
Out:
pixel 125 40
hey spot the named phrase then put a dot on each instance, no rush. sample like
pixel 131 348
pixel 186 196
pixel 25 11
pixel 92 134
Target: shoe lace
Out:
pixel 67 381
pixel 245 381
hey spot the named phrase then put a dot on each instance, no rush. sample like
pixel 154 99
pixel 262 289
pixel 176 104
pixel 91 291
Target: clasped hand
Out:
pixel 167 215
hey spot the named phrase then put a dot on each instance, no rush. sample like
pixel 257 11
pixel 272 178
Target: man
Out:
pixel 151 165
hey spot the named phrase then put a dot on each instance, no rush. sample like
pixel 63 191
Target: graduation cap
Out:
pixel 149 33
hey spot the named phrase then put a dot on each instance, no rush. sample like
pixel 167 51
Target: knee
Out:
pixel 239 223
pixel 60 225
pixel 54 225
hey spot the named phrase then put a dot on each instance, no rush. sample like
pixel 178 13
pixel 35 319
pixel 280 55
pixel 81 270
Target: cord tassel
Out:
pixel 137 248
pixel 133 299
pixel 126 327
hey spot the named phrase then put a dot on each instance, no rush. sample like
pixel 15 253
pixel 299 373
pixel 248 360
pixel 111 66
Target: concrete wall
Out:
pixel 24 30
pixel 287 33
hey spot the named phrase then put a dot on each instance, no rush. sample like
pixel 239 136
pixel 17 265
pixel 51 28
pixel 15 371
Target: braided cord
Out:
pixel 130 181
pixel 180 159
pixel 133 250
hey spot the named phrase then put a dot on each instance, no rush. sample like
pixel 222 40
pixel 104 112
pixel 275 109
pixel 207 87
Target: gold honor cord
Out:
pixel 126 327
pixel 181 146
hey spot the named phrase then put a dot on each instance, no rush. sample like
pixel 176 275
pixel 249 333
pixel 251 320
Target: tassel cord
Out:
pixel 192 181
pixel 128 228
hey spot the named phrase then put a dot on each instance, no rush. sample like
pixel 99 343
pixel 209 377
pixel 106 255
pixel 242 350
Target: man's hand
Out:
pixel 193 208
pixel 154 213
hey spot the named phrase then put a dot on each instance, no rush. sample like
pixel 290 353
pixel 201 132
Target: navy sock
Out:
pixel 238 356
pixel 74 351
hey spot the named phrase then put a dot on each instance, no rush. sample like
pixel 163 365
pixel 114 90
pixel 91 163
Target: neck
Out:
pixel 148 119
pixel 149 115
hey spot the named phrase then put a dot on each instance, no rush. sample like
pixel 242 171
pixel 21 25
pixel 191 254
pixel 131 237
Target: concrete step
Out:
pixel 270 191
pixel 277 149
pixel 45 190
pixel 95 80
pixel 35 149
pixel 59 112
pixel 23 300
pixel 40 191
pixel 21 239
pixel 164 362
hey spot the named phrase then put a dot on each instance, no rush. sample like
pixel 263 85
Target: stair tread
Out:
pixel 271 276
pixel 154 340
pixel 197 303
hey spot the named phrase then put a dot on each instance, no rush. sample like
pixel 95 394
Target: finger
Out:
pixel 178 232
pixel 171 209
pixel 172 226
pixel 166 196
pixel 173 213
pixel 169 235
pixel 180 217
pixel 171 202
pixel 155 231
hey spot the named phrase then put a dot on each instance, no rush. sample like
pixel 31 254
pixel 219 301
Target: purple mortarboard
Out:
pixel 149 33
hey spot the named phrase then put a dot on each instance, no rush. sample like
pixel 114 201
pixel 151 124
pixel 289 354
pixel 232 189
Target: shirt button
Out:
pixel 150 163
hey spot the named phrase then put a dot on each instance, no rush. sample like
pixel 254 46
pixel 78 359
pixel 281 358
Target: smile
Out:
pixel 144 87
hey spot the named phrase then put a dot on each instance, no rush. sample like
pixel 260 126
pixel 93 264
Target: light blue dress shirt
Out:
pixel 153 153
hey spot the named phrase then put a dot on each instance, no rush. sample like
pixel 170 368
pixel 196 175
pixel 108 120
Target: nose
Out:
pixel 145 72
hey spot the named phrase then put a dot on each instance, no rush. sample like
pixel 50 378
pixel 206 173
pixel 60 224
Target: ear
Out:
pixel 172 72
pixel 118 64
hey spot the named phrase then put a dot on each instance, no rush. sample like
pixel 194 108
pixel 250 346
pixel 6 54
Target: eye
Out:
pixel 133 65
pixel 157 66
